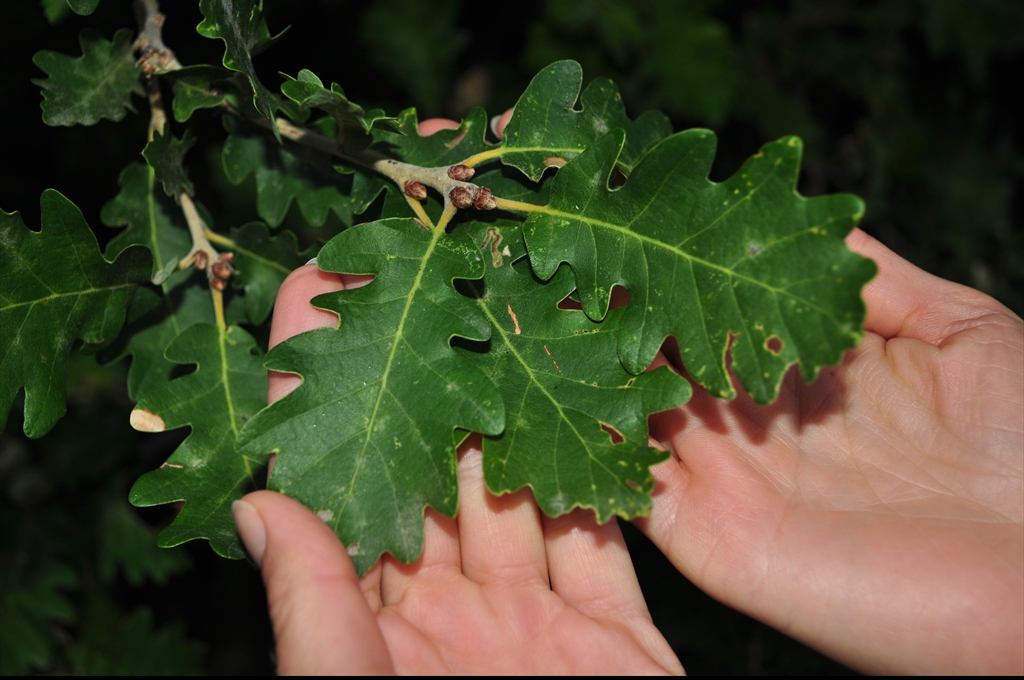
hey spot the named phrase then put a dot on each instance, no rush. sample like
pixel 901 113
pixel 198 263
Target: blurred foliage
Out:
pixel 911 104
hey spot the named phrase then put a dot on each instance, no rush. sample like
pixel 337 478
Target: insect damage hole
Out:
pixel 774 345
pixel 615 435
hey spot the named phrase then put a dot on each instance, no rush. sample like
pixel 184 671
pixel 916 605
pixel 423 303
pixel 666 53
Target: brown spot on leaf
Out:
pixel 144 421
pixel 554 162
pixel 773 345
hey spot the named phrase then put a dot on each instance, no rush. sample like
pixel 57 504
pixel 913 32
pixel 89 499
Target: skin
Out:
pixel 876 514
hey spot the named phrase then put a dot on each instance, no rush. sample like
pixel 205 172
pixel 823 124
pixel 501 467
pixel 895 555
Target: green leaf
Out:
pixel 150 219
pixel 262 262
pixel 55 287
pixel 165 154
pixel 154 320
pixel 83 7
pixel 747 264
pixel 309 92
pixel 55 10
pixel 199 87
pixel 30 601
pixel 99 84
pixel 443 148
pixel 128 545
pixel 285 172
pixel 368 439
pixel 114 643
pixel 561 381
pixel 545 131
pixel 240 24
pixel 228 387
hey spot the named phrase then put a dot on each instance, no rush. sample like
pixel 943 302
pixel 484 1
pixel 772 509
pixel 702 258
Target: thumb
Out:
pixel 322 623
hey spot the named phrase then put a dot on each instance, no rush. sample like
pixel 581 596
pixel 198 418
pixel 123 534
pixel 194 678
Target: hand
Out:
pixel 499 589
pixel 877 513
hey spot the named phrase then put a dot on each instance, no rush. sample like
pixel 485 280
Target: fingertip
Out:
pixel 498 123
pixel 431 125
pixel 292 312
pixel 322 623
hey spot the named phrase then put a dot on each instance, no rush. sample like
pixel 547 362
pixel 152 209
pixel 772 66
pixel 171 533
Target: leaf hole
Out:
pixel 473 289
pixel 181 370
pixel 615 435
pixel 474 346
pixel 773 345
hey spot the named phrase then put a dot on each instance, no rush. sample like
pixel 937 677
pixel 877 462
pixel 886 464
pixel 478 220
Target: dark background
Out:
pixel 908 103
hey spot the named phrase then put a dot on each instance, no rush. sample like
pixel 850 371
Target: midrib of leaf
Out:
pixel 221 341
pixel 625 230
pixel 533 380
pixel 74 293
pixel 438 233
pixel 505 151
pixel 155 249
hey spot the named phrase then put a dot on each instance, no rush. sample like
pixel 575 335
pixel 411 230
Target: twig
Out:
pixel 155 55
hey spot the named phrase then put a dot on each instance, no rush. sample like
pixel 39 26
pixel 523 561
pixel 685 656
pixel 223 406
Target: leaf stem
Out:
pixel 421 214
pixel 484 156
pixel 516 206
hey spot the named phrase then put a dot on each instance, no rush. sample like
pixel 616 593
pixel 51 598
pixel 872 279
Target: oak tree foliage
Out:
pixel 464 327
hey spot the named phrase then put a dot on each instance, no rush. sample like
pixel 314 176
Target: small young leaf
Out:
pixel 545 131
pixel 199 87
pixel 240 24
pixel 368 438
pixel 99 84
pixel 55 287
pixel 262 262
pixel 747 264
pixel 284 172
pixel 309 92
pixel 561 381
pixel 228 387
pixel 165 154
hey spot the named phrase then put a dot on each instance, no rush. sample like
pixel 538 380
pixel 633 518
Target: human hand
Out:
pixel 499 589
pixel 877 513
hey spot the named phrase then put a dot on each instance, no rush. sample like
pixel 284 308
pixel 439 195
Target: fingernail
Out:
pixel 494 125
pixel 250 526
pixel 313 261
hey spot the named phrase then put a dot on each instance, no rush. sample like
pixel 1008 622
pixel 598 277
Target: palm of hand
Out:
pixel 890 490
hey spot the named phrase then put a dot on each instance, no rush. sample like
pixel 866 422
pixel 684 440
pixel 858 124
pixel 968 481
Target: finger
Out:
pixel 322 623
pixel 293 314
pixel 591 570
pixel 498 123
pixel 500 536
pixel 906 301
pixel 439 562
pixel 432 125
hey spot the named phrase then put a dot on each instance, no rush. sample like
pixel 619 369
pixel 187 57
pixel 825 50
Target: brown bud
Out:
pixel 484 200
pixel 221 270
pixel 461 198
pixel 415 190
pixel 461 173
pixel 219 284
pixel 227 257
pixel 200 259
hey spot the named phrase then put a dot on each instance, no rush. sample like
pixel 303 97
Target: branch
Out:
pixel 449 181
pixel 155 55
